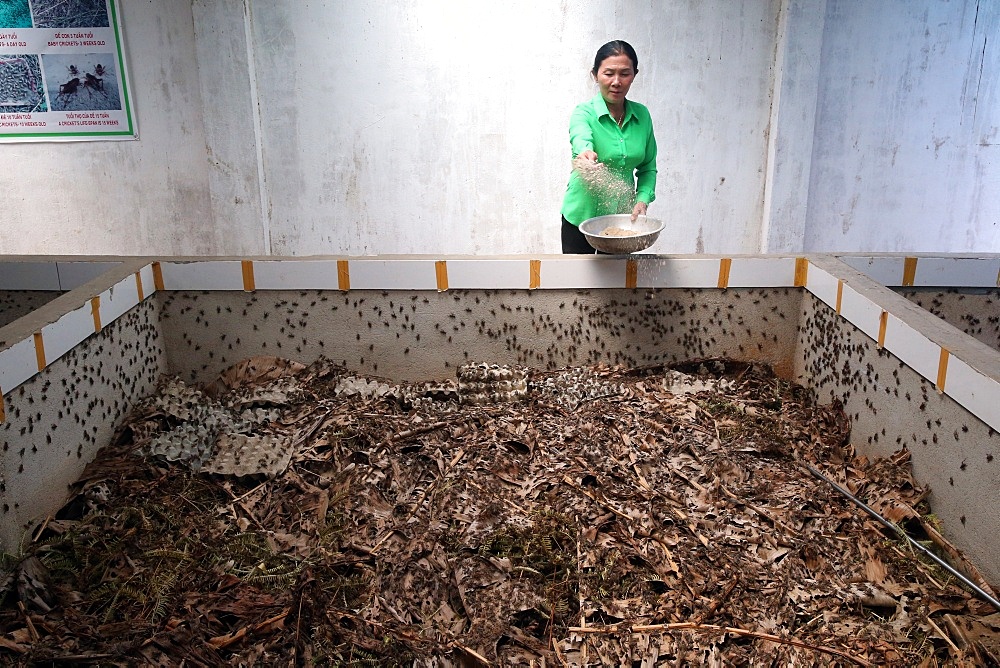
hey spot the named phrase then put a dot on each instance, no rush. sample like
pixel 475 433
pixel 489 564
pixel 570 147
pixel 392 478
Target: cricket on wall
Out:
pixel 62 72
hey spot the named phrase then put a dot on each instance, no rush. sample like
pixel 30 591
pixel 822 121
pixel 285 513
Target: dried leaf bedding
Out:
pixel 588 516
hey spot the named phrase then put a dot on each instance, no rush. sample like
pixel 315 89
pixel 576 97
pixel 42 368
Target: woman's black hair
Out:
pixel 616 47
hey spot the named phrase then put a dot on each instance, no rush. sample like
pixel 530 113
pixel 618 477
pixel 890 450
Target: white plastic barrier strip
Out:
pixel 972 389
pixel 920 271
pixel 29 276
pixel 976 391
pixel 20 361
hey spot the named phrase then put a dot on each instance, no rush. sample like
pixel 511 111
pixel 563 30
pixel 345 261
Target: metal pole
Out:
pixel 938 560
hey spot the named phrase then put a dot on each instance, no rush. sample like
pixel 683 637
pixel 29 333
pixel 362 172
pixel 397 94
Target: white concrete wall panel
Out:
pixel 61 336
pixel 792 125
pixel 29 275
pixel 825 286
pixel 966 272
pixel 887 270
pixel 74 274
pixel 963 271
pixel 428 126
pixel 761 272
pixel 902 158
pixel 424 126
pixel 124 197
pixel 223 59
pixel 675 272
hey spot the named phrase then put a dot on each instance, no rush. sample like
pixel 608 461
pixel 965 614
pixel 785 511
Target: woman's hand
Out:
pixel 586 166
pixel 585 162
pixel 638 210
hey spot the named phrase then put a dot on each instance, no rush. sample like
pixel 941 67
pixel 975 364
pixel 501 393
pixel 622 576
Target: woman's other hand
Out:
pixel 638 210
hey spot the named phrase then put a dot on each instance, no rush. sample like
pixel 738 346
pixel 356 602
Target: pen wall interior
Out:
pixel 905 377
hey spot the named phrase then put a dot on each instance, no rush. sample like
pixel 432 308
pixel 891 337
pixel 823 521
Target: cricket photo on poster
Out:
pixel 62 72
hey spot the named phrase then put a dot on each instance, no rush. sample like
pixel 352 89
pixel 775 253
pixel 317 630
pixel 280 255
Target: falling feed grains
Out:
pixel 615 194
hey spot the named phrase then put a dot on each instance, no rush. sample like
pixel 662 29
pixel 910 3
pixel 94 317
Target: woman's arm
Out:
pixel 645 173
pixel 581 136
pixel 645 178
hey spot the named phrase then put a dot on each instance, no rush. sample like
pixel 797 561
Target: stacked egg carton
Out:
pixel 207 436
pixel 480 383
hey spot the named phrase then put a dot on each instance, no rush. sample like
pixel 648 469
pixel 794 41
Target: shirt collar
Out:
pixel 601 108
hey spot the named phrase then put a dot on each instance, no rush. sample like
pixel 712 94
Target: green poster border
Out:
pixel 125 96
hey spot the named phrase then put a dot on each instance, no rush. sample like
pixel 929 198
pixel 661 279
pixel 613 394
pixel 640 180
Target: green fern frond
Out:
pixel 167 554
pixel 160 605
pixel 249 543
pixel 272 581
pixel 114 594
pixel 361 658
pixel 132 516
pixel 132 592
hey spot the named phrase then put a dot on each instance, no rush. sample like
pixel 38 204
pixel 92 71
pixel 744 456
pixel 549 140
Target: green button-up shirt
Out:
pixel 629 152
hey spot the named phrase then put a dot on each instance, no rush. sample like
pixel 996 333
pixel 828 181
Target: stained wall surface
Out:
pixel 16 303
pixel 891 407
pixel 907 128
pixel 426 335
pixel 975 312
pixel 453 138
pixel 57 421
pixel 144 196
pixel 423 126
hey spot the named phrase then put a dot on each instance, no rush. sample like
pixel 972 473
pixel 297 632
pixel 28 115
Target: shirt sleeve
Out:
pixel 581 136
pixel 645 172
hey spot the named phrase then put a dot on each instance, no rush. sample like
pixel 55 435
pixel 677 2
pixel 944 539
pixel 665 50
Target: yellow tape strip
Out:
pixel 909 270
pixel 801 272
pixel 441 269
pixel 840 294
pixel 883 322
pixel 632 273
pixel 343 275
pixel 942 369
pixel 138 286
pixel 725 264
pixel 535 277
pixel 248 282
pixel 3 412
pixel 40 351
pixel 157 276
pixel 95 308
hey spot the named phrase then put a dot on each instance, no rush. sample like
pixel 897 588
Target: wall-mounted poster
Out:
pixel 62 72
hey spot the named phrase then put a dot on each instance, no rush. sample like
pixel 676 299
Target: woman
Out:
pixel 614 151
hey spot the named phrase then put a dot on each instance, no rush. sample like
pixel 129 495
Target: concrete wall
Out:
pixel 420 336
pixel 905 151
pixel 422 126
pixel 128 197
pixel 954 454
pixel 975 312
pixel 72 368
pixel 57 421
pixel 427 126
pixel 17 303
